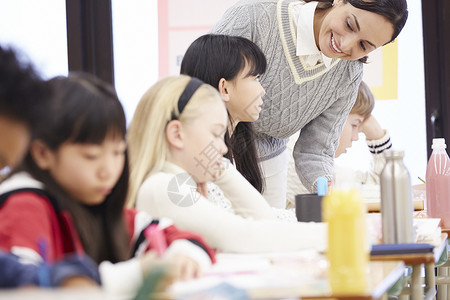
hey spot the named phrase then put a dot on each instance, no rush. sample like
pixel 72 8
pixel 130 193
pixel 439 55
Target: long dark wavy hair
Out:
pixel 84 109
pixel 396 11
pixel 215 56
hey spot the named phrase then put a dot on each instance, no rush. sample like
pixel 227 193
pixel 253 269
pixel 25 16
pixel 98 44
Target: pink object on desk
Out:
pixel 156 239
pixel 438 183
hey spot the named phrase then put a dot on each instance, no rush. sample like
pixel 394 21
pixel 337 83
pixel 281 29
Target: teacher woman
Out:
pixel 315 52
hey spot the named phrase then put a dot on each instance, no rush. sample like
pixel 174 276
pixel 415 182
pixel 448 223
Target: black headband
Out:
pixel 190 89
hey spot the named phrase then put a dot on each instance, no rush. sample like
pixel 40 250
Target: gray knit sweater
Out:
pixel 313 99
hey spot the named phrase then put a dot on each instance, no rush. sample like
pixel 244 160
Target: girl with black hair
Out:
pixel 23 96
pixel 65 206
pixel 233 65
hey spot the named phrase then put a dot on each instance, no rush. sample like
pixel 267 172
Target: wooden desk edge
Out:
pixel 416 258
pixel 389 281
pixel 375 292
pixel 409 259
pixel 375 206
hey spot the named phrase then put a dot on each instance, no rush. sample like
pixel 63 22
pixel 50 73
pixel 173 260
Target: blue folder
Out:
pixel 392 249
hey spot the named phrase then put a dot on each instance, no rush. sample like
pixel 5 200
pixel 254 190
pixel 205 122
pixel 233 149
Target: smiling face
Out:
pixel 347 32
pixel 88 172
pixel 245 97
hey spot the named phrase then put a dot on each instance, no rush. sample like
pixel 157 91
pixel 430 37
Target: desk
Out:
pixel 429 260
pixel 283 279
pixel 374 206
pixel 56 294
pixel 443 279
pixel 371 197
pixel 383 275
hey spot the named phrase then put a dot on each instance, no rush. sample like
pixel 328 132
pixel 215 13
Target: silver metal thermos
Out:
pixel 396 200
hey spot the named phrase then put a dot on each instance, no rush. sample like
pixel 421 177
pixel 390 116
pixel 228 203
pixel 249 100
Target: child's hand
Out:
pixel 177 267
pixel 219 168
pixel 182 267
pixel 78 282
pixel 202 189
pixel 372 129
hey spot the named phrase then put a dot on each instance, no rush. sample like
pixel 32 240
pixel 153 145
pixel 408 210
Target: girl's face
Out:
pixel 350 33
pixel 350 133
pixel 204 142
pixel 88 172
pixel 245 97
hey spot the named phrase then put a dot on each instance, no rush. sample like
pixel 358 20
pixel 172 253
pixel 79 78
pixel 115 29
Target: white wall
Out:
pixel 403 117
pixel 37 29
pixel 135 31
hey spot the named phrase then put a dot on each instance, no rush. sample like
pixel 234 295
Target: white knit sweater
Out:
pixel 252 227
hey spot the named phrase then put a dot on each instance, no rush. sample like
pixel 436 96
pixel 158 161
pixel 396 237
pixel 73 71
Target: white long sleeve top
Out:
pixel 253 227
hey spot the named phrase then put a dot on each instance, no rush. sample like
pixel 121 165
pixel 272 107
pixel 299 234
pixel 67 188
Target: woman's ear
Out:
pixel 223 89
pixel 174 134
pixel 41 154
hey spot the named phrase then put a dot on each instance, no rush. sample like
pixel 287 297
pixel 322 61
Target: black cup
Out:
pixel 308 207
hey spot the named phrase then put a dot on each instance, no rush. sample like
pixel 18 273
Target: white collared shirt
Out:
pixel 303 16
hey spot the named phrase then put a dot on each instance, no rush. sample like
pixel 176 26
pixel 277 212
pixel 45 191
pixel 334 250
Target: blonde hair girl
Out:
pixel 147 137
pixel 176 146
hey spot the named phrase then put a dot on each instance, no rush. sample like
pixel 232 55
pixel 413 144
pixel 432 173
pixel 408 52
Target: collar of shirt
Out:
pixel 303 16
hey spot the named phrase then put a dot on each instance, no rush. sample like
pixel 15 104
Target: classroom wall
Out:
pixel 135 29
pixel 38 29
pixel 404 117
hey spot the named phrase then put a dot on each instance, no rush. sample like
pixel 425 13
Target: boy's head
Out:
pixel 22 93
pixel 365 101
pixel 361 110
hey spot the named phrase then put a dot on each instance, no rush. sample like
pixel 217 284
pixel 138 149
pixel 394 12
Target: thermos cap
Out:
pixel 393 153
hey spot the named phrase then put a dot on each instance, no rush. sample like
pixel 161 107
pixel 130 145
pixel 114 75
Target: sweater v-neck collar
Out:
pixel 300 70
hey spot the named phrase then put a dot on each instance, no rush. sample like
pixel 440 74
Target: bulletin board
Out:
pixel 180 22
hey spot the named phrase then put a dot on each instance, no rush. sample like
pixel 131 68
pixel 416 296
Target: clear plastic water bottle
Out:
pixel 396 200
pixel 438 183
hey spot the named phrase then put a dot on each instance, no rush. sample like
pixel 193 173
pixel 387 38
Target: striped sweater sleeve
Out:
pixel 377 148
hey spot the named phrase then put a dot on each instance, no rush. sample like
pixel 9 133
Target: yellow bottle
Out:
pixel 348 252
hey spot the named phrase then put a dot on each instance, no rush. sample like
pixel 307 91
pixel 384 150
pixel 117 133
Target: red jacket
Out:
pixel 30 217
